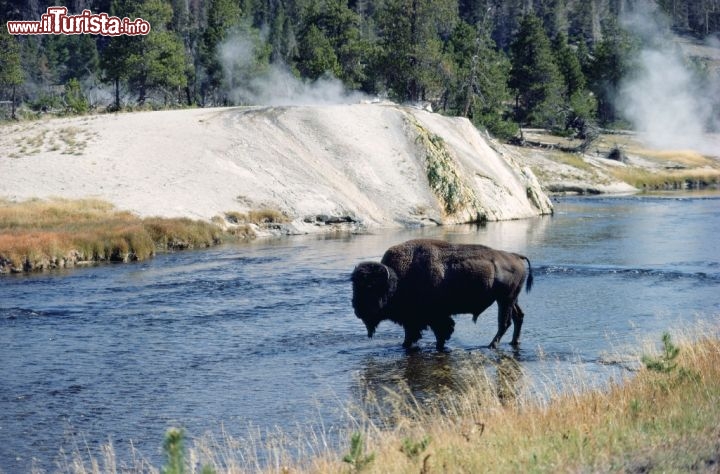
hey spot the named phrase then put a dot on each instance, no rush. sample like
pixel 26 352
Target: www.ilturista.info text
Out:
pixel 57 22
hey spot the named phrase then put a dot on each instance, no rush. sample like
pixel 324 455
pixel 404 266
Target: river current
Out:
pixel 261 336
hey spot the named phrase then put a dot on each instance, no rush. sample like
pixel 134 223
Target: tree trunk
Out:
pixel 12 106
pixel 117 93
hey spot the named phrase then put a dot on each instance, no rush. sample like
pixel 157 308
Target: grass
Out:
pixel 666 179
pixel 61 233
pixel 631 144
pixel 645 169
pixel 258 217
pixel 38 235
pixel 663 418
pixel 71 137
pixel 571 159
pixel 675 169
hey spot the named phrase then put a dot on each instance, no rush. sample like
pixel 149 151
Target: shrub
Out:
pixel 666 362
pixel 357 457
pixel 75 101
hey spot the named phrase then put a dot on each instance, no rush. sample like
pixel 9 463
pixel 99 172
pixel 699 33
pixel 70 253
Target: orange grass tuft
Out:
pixel 36 234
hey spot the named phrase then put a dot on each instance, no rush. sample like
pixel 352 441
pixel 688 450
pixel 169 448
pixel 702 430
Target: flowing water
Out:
pixel 263 335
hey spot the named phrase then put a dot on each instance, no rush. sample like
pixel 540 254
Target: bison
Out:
pixel 422 283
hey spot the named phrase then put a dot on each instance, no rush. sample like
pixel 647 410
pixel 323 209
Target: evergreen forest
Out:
pixel 504 64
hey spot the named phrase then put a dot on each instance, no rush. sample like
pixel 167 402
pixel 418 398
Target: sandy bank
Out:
pixel 365 163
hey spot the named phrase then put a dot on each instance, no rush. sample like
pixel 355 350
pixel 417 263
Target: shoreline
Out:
pixel 215 233
pixel 271 171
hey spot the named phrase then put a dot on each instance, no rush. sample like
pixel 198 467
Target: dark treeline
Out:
pixel 547 63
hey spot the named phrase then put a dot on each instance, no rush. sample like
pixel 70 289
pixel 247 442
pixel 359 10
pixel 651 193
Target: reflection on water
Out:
pixel 264 334
pixel 420 382
pixel 430 375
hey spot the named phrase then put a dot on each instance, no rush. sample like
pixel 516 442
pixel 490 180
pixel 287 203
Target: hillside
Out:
pixel 367 165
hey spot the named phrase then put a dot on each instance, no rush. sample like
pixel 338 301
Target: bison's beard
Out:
pixel 371 327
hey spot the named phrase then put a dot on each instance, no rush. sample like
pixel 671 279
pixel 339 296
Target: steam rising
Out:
pixel 251 83
pixel 664 100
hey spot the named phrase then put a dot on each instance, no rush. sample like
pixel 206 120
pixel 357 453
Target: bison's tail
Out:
pixel 529 282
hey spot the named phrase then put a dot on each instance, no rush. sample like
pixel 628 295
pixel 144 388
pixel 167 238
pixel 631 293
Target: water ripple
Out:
pixel 264 333
pixel 603 271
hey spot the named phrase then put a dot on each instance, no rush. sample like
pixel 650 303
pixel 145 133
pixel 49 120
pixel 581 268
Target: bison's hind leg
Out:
pixel 517 319
pixel 442 328
pixel 505 314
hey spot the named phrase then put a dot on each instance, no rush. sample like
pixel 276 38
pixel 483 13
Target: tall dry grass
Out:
pixel 650 420
pixel 42 234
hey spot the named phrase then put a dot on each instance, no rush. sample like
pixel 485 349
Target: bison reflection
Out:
pixel 390 386
pixel 422 283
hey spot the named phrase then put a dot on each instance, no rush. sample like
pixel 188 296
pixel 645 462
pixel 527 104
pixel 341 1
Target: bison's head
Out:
pixel 373 286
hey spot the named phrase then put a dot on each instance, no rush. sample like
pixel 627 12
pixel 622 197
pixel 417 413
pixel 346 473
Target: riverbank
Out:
pixel 616 163
pixel 243 171
pixel 248 171
pixel 121 352
pixel 664 417
pixel 39 235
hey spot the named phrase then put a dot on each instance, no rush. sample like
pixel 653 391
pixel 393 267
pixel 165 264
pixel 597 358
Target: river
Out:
pixel 261 336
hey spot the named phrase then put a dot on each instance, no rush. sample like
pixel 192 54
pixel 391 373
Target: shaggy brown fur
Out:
pixel 422 283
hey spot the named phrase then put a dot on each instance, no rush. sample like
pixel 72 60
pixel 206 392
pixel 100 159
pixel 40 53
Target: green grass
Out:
pixel 570 159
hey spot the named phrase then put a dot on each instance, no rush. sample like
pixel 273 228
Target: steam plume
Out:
pixel 664 100
pixel 252 83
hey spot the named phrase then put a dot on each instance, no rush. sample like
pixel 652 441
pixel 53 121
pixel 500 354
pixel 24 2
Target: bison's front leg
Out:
pixel 505 311
pixel 517 318
pixel 412 335
pixel 443 328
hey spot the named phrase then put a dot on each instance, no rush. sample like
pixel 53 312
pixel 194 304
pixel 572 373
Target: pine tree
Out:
pixel 613 60
pixel 568 65
pixel 282 38
pixel 507 15
pixel 580 104
pixel 479 91
pixel 535 77
pixel 222 17
pixel 330 36
pixel 316 56
pixel 71 56
pixel 245 56
pixel 155 62
pixel 553 15
pixel 411 59
pixel 581 21
pixel 116 54
pixel 11 74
